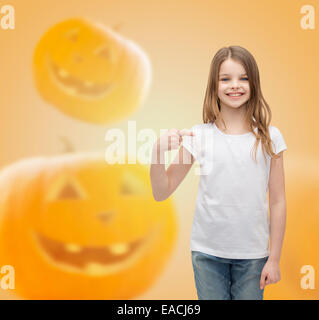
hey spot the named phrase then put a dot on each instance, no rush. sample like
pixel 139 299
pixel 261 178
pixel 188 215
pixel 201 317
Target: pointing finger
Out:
pixel 185 132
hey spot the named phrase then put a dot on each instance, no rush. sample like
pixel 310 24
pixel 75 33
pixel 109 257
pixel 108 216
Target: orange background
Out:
pixel 181 38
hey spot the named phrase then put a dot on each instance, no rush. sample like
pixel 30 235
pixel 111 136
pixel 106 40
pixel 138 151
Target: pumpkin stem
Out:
pixel 68 147
pixel 117 26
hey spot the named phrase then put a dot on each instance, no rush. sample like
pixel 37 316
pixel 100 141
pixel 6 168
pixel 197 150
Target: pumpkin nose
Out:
pixel 105 216
pixel 77 57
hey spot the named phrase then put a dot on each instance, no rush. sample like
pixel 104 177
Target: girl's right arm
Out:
pixel 164 183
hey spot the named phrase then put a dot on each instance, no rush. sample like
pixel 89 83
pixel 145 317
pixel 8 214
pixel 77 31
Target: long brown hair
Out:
pixel 258 114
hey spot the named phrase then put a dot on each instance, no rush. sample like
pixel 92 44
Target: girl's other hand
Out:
pixel 270 274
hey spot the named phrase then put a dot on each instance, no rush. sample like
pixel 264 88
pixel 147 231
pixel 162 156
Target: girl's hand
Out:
pixel 172 139
pixel 270 273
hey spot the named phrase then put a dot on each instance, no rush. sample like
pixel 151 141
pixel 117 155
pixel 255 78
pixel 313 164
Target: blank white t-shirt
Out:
pixel 231 216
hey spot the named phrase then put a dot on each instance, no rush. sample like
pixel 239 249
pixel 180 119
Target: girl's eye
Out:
pixel 245 78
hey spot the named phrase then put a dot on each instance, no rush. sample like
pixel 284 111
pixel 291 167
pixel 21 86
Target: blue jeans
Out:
pixel 227 279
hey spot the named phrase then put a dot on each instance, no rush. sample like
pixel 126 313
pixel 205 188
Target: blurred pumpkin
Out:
pixel 90 72
pixel 301 237
pixel 75 227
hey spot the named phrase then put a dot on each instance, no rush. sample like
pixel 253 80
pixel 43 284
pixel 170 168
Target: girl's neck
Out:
pixel 234 120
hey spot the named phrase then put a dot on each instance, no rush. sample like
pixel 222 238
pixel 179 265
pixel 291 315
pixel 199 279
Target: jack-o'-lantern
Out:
pixel 90 72
pixel 76 227
pixel 301 238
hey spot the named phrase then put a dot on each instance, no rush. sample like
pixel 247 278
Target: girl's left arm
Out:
pixel 277 206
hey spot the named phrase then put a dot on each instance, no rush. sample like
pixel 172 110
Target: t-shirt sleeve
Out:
pixel 278 141
pixel 190 143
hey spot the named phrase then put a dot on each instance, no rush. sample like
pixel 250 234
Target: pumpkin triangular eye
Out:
pixel 132 185
pixel 103 52
pixel 126 189
pixel 64 188
pixel 68 191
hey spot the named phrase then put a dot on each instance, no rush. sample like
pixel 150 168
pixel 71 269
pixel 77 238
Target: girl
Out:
pixel 231 228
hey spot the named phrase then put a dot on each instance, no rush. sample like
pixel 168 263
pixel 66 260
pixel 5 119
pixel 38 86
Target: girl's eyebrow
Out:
pixel 226 74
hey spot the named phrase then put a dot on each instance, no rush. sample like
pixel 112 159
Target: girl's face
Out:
pixel 233 79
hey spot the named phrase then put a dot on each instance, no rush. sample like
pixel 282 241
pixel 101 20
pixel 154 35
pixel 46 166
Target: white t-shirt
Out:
pixel 231 216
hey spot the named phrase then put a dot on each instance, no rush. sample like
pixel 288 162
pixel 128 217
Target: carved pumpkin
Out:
pixel 75 227
pixel 90 72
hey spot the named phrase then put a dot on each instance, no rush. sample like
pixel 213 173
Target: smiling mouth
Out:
pixel 76 87
pixel 94 260
pixel 235 95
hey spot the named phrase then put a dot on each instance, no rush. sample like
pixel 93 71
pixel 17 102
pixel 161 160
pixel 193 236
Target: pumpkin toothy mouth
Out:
pixel 95 261
pixel 76 87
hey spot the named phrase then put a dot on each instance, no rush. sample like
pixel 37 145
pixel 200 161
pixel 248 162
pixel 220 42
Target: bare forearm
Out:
pixel 159 179
pixel 277 229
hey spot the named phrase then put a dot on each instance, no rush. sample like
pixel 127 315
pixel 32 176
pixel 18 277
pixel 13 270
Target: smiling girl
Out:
pixel 231 228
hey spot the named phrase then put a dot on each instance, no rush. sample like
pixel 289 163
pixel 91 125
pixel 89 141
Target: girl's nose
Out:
pixel 235 85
